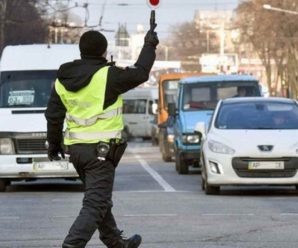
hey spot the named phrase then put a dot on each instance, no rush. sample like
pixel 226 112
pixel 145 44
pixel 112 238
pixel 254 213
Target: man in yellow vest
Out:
pixel 87 94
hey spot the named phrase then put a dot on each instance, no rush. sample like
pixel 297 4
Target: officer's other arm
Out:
pixel 55 114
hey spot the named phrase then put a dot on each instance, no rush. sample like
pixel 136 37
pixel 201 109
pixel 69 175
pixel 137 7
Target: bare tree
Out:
pixel 274 38
pixel 20 23
pixel 187 43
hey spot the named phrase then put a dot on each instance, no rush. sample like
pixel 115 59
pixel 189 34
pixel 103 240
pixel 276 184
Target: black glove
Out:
pixel 53 152
pixel 151 38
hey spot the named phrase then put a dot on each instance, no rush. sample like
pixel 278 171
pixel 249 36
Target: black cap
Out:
pixel 93 44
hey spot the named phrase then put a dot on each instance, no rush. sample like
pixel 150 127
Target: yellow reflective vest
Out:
pixel 87 121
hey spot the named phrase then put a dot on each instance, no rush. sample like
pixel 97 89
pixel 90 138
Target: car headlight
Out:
pixel 170 138
pixel 218 147
pixel 6 146
pixel 191 138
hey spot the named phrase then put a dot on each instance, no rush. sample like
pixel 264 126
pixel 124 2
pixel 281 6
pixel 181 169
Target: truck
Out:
pixel 196 100
pixel 139 110
pixel 27 74
pixel 167 93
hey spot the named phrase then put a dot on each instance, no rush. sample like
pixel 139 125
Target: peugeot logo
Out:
pixel 265 148
pixel 46 144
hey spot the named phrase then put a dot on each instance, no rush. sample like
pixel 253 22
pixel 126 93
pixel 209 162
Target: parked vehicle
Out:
pixel 139 108
pixel 27 75
pixel 250 141
pixel 197 98
pixel 168 85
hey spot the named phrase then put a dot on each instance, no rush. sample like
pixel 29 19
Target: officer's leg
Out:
pixel 98 177
pixel 109 233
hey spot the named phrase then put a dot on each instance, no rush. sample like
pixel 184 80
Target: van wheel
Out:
pixel 125 134
pixel 166 157
pixel 3 184
pixel 181 165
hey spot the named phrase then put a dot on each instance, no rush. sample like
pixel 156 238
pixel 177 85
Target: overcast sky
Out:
pixel 134 12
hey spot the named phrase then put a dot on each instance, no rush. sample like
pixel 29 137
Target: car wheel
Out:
pixel 3 184
pixel 211 190
pixel 181 165
pixel 202 183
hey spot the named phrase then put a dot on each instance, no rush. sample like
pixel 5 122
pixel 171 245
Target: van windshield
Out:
pixel 205 96
pixel 19 89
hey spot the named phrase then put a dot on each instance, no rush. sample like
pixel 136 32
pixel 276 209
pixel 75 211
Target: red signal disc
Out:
pixel 154 2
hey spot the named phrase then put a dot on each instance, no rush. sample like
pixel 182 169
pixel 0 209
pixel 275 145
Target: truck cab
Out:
pixel 196 101
pixel 28 73
pixel 167 94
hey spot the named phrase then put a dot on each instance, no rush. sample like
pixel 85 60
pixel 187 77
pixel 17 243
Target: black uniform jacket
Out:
pixel 77 74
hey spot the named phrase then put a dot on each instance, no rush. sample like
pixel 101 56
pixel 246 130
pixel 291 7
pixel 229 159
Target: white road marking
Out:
pixel 167 187
pixel 227 214
pixel 9 217
pixel 150 215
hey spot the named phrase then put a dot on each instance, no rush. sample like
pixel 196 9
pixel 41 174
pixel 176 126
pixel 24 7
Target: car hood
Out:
pixel 247 141
pixel 191 118
pixel 22 120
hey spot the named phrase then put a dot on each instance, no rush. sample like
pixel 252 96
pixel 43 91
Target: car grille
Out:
pixel 30 146
pixel 240 166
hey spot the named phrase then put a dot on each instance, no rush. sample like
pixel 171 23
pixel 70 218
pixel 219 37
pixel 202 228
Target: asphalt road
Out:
pixel 150 198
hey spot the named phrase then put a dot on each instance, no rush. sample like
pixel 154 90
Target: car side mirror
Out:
pixel 200 129
pixel 172 109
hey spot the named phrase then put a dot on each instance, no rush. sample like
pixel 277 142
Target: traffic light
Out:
pixel 153 4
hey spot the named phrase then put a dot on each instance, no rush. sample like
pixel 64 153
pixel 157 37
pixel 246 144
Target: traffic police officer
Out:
pixel 87 94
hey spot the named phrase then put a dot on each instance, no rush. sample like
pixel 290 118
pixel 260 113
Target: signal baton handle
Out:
pixel 152 21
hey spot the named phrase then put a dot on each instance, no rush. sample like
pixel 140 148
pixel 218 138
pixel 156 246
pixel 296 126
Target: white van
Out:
pixel 27 76
pixel 139 111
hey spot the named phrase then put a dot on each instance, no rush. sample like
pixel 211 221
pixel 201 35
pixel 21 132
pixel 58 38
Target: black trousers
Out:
pixel 96 212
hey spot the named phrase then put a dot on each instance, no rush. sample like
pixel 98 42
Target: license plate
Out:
pixel 50 166
pixel 266 165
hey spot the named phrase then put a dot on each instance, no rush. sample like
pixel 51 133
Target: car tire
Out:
pixel 181 165
pixel 202 183
pixel 3 184
pixel 211 190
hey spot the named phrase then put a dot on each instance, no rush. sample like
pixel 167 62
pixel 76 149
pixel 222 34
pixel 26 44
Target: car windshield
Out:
pixel 205 96
pixel 257 115
pixel 19 89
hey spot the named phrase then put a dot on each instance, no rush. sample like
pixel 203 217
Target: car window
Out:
pixel 206 95
pixel 257 115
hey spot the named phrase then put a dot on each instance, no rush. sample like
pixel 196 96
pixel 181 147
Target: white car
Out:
pixel 250 141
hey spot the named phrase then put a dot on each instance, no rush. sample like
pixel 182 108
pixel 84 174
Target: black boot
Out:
pixel 132 242
pixel 80 245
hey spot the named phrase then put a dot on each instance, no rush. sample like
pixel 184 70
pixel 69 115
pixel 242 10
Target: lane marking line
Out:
pixel 158 178
pixel 150 215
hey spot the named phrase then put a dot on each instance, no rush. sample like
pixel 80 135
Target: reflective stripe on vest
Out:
pixel 92 135
pixel 92 120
